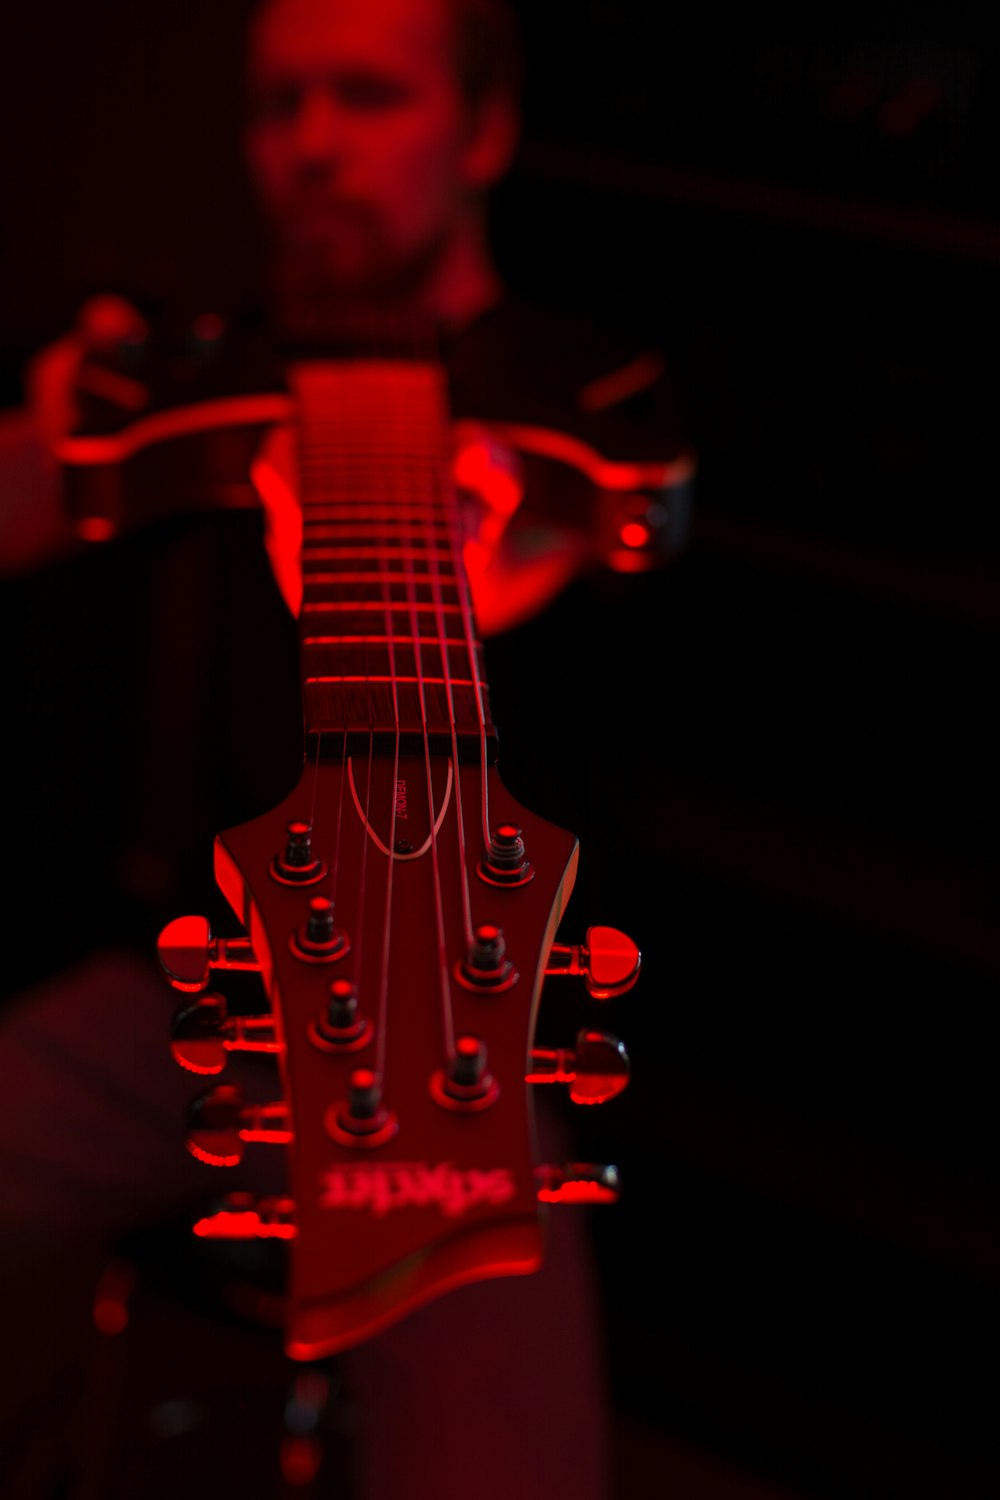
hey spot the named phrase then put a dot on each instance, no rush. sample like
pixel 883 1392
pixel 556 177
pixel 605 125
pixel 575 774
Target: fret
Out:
pixel 357 554
pixel 363 708
pixel 360 510
pixel 361 606
pixel 385 613
pixel 394 596
pixel 382 577
pixel 454 682
pixel 335 658
pixel 357 528
pixel 396 640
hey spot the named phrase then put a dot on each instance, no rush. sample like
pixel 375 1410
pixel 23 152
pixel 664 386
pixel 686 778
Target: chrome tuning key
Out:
pixel 241 1216
pixel 203 1033
pixel 578 1182
pixel 596 1071
pixel 189 954
pixel 220 1123
pixel 608 962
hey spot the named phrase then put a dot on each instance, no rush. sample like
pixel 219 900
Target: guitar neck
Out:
pixel 388 642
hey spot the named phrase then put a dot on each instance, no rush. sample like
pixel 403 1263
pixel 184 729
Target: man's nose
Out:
pixel 319 136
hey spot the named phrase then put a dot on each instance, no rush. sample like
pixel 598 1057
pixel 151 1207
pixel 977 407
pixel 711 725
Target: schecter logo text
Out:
pixel 390 1185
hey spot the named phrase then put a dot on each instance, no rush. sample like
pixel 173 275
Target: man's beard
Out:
pixel 316 283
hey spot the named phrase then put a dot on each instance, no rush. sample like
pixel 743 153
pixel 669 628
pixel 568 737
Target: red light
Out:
pixel 634 534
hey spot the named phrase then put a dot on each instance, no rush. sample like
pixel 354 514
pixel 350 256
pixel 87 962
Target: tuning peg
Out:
pixel 240 1216
pixel 578 1182
pixel 608 962
pixel 188 953
pixel 220 1121
pixel 595 1072
pixel 203 1032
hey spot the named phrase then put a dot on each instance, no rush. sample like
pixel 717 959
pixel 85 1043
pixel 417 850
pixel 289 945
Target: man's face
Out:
pixel 358 138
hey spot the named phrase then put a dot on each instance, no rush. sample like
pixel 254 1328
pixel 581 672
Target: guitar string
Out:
pixel 347 513
pixel 447 504
pixel 349 434
pixel 443 645
pixel 478 686
pixel 304 502
pixel 382 1030
pixel 314 459
pixel 413 430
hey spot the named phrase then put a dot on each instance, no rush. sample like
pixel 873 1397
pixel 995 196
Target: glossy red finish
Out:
pixel 385 1265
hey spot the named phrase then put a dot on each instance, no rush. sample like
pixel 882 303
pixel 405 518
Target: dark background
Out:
pixel 803 207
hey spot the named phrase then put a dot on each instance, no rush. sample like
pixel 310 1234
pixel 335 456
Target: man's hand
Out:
pixel 34 525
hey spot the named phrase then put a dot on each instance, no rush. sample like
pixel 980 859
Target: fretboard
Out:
pixel 388 641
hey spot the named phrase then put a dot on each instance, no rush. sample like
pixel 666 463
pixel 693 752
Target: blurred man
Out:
pixel 375 133
pixel 376 129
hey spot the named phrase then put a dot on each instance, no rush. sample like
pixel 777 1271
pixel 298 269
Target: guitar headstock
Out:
pixel 403 957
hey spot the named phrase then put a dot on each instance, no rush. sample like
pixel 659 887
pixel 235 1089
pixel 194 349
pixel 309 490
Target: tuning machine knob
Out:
pixel 596 1071
pixel 189 954
pixel 578 1182
pixel 202 1033
pixel 297 864
pixel 608 962
pixel 220 1122
pixel 241 1216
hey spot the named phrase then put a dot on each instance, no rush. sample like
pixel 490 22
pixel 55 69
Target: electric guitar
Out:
pixel 399 906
